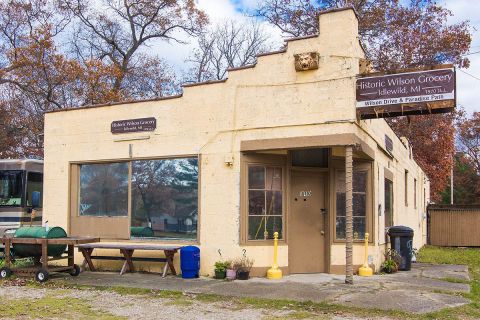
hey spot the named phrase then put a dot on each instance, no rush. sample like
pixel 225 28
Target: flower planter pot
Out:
pixel 243 275
pixel 220 274
pixel 231 274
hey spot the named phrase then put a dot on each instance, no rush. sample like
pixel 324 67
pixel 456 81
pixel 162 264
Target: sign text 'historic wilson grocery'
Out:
pixel 406 88
pixel 134 125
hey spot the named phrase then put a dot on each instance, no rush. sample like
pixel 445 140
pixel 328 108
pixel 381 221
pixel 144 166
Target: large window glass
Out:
pixel 104 189
pixel 165 198
pixel 34 183
pixel 11 182
pixel 265 202
pixel 359 204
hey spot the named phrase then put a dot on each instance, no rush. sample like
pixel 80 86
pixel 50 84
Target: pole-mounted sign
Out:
pixel 406 93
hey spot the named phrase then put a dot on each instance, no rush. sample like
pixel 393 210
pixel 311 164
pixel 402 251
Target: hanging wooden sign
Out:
pixel 406 93
pixel 134 125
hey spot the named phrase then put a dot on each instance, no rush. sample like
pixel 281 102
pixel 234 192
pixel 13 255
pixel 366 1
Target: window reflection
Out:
pixel 165 198
pixel 104 189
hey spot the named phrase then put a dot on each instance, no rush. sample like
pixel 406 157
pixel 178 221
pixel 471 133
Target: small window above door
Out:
pixel 316 158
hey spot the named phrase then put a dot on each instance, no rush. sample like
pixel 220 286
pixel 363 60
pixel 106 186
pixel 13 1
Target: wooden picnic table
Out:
pixel 127 251
pixel 41 268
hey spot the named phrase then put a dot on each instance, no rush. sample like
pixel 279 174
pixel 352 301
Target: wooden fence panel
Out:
pixel 454 225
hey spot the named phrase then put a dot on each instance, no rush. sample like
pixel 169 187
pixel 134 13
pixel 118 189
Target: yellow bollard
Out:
pixel 365 270
pixel 274 272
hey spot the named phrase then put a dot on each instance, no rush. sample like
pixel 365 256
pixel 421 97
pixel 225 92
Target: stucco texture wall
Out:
pixel 267 101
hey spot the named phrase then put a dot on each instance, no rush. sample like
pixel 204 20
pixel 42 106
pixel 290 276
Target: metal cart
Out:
pixel 41 270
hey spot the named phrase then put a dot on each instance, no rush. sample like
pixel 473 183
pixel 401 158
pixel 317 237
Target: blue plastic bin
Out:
pixel 190 262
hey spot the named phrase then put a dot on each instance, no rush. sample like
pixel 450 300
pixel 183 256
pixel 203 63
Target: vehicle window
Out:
pixel 11 182
pixel 34 183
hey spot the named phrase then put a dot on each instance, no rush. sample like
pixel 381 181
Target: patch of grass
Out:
pixel 209 298
pixel 463 256
pixel 454 280
pixel 129 290
pixel 300 315
pixel 180 303
pixel 440 255
pixel 51 308
pixel 19 263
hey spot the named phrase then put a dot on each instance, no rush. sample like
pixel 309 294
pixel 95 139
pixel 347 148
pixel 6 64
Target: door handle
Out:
pixel 322 233
pixel 323 210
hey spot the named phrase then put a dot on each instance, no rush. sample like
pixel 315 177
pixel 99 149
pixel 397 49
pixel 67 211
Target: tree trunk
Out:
pixel 349 215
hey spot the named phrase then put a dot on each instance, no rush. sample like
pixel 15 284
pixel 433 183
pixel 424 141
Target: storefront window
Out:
pixel 165 198
pixel 359 204
pixel 104 189
pixel 265 202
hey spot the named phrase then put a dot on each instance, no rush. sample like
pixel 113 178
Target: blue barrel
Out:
pixel 190 262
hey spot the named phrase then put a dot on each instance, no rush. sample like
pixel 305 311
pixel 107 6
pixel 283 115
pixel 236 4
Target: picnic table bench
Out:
pixel 127 251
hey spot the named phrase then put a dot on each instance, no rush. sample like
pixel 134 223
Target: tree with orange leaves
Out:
pixel 109 60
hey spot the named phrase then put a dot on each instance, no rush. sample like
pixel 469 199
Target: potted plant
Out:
pixel 231 271
pixel 221 269
pixel 392 261
pixel 244 267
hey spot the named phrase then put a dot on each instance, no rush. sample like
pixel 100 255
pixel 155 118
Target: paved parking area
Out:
pixel 426 288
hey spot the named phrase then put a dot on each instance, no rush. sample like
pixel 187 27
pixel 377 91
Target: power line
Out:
pixel 471 75
pixel 468 54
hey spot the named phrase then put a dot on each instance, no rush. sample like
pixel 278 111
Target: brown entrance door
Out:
pixel 306 223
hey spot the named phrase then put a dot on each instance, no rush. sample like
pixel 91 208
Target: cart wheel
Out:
pixel 5 273
pixel 75 271
pixel 41 275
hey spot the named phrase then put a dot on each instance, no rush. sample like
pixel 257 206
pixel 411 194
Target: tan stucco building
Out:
pixel 231 162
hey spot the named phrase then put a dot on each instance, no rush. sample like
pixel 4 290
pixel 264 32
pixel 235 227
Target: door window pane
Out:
pixel 340 226
pixel 104 189
pixel 263 227
pixel 359 204
pixel 358 228
pixel 256 202
pixel 274 178
pixel 265 202
pixel 274 203
pixel 165 198
pixel 256 177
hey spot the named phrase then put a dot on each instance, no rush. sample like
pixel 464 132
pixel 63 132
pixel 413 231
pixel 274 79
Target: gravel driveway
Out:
pixel 31 302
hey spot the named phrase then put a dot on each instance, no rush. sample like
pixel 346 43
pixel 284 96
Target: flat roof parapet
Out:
pixel 114 103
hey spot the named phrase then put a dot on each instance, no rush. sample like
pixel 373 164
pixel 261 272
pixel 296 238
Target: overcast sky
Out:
pixel 468 86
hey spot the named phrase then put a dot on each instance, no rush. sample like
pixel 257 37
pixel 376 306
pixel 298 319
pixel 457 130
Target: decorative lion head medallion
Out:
pixel 306 61
pixel 365 66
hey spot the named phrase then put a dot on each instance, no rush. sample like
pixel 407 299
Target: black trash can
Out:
pixel 401 239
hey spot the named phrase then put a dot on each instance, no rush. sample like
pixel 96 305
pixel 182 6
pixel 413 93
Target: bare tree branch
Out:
pixel 228 45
